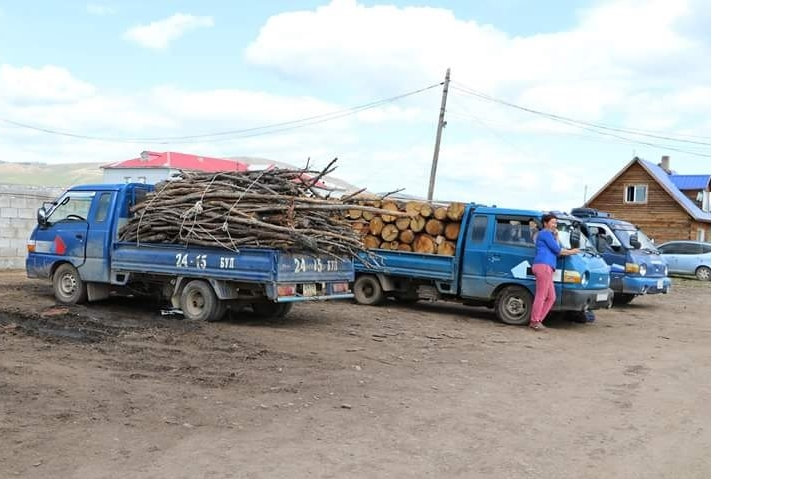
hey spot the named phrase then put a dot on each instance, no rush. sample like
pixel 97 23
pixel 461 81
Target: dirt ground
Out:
pixel 116 390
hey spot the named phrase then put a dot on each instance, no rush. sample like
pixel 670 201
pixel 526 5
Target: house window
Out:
pixel 142 179
pixel 636 194
pixel 701 234
pixel 127 179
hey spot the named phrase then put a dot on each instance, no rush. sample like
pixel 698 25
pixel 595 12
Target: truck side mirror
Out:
pixel 635 241
pixel 41 216
pixel 575 238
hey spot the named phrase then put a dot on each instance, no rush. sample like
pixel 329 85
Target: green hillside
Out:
pixel 44 174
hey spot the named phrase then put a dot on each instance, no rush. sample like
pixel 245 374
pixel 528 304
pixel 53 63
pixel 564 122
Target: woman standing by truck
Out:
pixel 548 250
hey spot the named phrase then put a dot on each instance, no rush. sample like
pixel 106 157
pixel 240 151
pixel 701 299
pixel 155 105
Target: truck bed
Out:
pixel 412 265
pixel 248 265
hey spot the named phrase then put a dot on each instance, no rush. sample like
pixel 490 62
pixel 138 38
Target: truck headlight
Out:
pixel 572 277
pixel 636 268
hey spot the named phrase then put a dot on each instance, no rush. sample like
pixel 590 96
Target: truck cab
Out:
pixel 636 264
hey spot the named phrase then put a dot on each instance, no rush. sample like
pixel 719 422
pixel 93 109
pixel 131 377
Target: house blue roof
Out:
pixel 691 182
pixel 666 182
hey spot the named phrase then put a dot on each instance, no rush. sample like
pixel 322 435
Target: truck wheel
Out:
pixel 703 273
pixel 367 290
pixel 270 310
pixel 68 286
pixel 199 302
pixel 513 305
pixel 623 298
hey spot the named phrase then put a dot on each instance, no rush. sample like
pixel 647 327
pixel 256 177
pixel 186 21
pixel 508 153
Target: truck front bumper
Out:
pixel 583 299
pixel 641 285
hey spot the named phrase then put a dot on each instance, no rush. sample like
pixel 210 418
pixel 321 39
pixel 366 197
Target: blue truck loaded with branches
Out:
pixel 205 244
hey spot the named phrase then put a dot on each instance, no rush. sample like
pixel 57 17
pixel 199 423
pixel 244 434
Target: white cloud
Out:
pixel 641 71
pixel 584 72
pixel 100 10
pixel 49 84
pixel 159 34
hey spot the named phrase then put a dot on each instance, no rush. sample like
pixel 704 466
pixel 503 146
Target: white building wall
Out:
pixel 136 175
pixel 18 205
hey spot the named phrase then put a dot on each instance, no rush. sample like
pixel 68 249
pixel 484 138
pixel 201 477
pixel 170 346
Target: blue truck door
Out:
pixel 510 252
pixel 97 265
pixel 473 266
pixel 66 234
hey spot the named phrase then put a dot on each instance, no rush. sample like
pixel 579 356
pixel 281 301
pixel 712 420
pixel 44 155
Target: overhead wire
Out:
pixel 230 134
pixel 587 126
pixel 660 136
pixel 484 122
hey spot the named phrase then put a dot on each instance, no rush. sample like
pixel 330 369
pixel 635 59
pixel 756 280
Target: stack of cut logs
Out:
pixel 418 226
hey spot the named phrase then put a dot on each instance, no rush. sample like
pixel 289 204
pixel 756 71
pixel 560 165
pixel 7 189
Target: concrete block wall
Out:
pixel 18 205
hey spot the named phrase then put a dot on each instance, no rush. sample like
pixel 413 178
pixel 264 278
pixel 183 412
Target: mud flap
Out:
pixel 97 291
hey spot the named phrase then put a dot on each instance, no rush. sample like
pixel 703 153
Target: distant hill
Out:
pixel 43 174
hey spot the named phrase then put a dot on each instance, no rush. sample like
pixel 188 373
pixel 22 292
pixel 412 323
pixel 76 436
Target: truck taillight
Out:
pixel 341 287
pixel 286 289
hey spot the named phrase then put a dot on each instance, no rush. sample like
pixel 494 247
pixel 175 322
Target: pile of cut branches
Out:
pixel 279 208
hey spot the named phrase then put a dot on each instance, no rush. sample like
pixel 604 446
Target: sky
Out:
pixel 547 100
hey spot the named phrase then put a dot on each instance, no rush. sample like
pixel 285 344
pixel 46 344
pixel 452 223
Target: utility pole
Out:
pixel 438 135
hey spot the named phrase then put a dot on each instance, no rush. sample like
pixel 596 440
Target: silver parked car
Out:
pixel 688 257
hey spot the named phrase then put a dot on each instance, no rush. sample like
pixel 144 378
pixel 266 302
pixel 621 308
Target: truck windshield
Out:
pixel 624 233
pixel 71 205
pixel 565 229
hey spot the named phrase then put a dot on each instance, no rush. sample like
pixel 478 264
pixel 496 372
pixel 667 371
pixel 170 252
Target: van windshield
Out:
pixel 624 233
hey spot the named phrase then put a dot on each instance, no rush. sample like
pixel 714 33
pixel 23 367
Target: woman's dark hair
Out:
pixel 547 218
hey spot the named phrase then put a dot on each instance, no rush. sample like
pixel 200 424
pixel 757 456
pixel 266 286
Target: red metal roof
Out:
pixel 179 161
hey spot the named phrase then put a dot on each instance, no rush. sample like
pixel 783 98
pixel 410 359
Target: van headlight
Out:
pixel 572 277
pixel 636 268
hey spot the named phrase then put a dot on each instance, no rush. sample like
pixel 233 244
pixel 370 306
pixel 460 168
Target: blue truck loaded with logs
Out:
pixel 85 242
pixel 488 265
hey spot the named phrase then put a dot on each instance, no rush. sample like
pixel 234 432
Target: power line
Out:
pixel 589 128
pixel 593 127
pixel 482 123
pixel 468 116
pixel 661 136
pixel 238 134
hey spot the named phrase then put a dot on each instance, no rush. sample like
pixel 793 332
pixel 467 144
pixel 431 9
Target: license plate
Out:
pixel 660 284
pixel 602 296
pixel 310 289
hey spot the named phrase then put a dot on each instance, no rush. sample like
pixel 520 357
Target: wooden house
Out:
pixel 665 205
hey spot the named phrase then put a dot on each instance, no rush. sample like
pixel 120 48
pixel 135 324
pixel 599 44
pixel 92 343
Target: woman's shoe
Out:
pixel 538 326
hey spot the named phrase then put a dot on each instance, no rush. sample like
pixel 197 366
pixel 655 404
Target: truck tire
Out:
pixel 271 310
pixel 513 305
pixel 367 290
pixel 199 302
pixel 68 286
